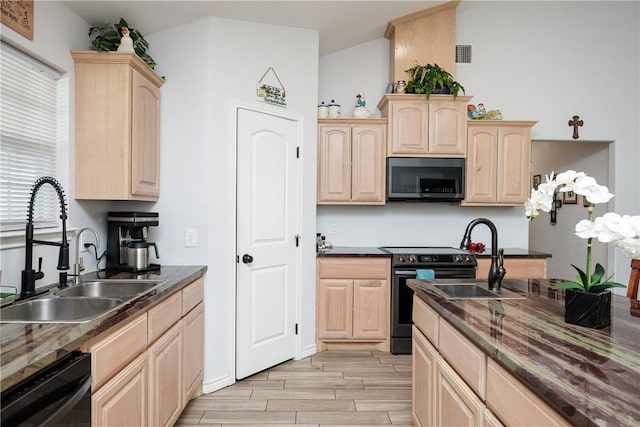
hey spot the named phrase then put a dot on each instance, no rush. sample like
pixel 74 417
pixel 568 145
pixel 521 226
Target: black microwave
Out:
pixel 425 179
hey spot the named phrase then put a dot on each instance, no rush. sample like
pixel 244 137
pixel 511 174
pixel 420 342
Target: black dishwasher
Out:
pixel 58 395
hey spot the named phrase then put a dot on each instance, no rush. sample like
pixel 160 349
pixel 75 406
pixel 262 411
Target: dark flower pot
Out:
pixel 591 310
pixel 443 91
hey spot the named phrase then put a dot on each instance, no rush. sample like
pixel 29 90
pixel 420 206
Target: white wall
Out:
pixel 219 70
pixel 548 61
pixel 364 68
pixel 57 30
pixel 559 239
pixel 543 61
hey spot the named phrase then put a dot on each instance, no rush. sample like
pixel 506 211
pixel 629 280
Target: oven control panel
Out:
pixel 433 259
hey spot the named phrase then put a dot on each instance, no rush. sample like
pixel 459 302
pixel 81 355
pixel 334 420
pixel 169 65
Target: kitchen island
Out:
pixel 25 349
pixel 581 376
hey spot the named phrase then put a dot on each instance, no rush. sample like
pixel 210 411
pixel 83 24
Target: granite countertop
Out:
pixel 27 348
pixel 515 253
pixel 591 377
pixel 367 251
pixel 353 251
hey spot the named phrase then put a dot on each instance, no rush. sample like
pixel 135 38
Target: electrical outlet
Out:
pixel 333 229
pixel 190 237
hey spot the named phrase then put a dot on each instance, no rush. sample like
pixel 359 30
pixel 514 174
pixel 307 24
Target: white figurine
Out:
pixel 126 42
pixel 360 111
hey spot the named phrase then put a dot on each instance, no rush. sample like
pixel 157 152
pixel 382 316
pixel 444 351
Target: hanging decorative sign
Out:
pixel 18 15
pixel 270 89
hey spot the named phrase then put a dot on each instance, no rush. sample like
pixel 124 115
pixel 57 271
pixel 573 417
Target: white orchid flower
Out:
pixel 629 226
pixel 568 178
pixel 606 227
pixel 585 229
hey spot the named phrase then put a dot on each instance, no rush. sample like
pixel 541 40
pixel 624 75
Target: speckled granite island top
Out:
pixel 27 348
pixel 591 377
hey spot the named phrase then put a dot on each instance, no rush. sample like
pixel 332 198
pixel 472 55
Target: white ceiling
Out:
pixel 342 24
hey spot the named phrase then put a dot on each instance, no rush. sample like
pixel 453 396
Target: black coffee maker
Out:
pixel 127 245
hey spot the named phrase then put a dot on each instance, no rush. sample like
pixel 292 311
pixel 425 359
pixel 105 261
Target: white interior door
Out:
pixel 267 224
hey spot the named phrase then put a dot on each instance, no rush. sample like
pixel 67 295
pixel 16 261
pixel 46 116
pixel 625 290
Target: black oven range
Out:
pixel 446 262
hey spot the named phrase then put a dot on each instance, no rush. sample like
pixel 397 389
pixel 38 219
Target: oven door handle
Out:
pixel 405 273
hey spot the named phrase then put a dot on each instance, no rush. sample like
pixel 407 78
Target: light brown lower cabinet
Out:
pixel 487 396
pixel 193 353
pixel 425 358
pixel 122 401
pixel 517 268
pixel 165 378
pixel 352 303
pixel 140 381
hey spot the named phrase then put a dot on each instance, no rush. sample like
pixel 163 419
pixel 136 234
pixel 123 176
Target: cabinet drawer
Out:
pixel 425 318
pixel 514 403
pixel 164 315
pixel 467 359
pixel 192 295
pixel 354 268
pixel 113 353
pixel 517 268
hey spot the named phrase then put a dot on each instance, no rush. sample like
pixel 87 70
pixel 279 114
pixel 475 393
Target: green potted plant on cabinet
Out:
pixel 107 37
pixel 431 78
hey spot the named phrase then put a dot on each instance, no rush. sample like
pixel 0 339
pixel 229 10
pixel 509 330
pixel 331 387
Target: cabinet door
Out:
pixel 456 404
pixel 447 127
pixel 334 164
pixel 335 306
pixel 482 168
pixel 424 380
pixel 145 134
pixel 193 352
pixel 165 378
pixel 367 169
pixel 514 157
pixel 408 128
pixel 370 309
pixel 122 401
pixel 102 131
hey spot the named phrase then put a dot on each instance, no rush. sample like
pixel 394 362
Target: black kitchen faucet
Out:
pixel 29 275
pixel 496 271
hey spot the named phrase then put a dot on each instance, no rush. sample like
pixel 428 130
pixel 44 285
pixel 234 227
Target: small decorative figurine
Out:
pixel 360 111
pixel 481 113
pixel 126 42
pixel 470 110
pixel 498 115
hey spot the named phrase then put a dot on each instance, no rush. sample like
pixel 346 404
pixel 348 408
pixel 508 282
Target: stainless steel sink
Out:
pixel 473 291
pixel 58 310
pixel 112 288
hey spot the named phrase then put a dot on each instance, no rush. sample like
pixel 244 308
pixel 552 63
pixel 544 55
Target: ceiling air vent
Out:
pixel 463 54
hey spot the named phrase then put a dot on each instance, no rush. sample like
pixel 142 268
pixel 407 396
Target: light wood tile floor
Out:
pixel 332 388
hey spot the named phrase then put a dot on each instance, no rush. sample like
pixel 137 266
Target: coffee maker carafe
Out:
pixel 127 245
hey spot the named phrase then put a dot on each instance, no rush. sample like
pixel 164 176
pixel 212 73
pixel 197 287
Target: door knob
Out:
pixel 246 258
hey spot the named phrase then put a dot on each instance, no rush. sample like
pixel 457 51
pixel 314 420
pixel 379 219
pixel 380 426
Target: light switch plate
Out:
pixel 190 237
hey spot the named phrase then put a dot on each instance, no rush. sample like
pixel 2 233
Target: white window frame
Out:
pixel 34 115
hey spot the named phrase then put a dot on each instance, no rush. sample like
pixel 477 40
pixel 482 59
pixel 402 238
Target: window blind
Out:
pixel 33 110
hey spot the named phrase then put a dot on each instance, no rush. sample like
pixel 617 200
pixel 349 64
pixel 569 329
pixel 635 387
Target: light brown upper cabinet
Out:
pixel 117 127
pixel 498 162
pixel 421 128
pixel 351 161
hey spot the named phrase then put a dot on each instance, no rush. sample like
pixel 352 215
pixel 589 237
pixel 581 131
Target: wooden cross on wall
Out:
pixel 575 123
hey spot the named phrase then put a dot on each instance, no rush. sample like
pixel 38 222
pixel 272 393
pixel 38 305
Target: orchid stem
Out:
pixel 588 284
